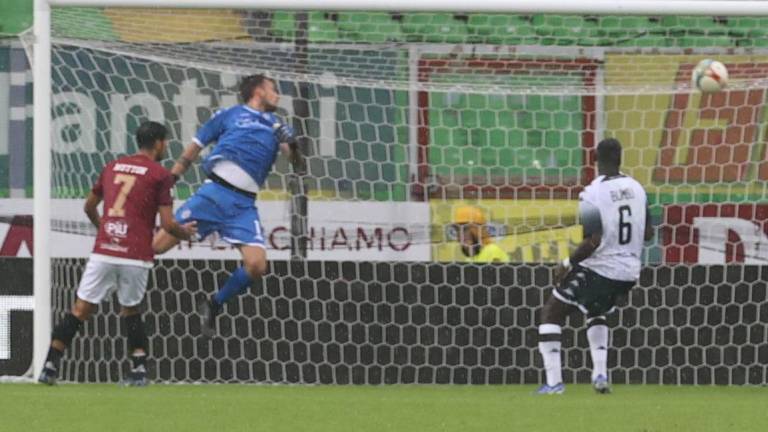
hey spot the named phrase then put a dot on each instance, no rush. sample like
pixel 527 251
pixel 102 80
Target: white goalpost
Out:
pixel 416 126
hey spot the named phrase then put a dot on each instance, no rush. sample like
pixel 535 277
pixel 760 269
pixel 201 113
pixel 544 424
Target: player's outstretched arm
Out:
pixel 91 208
pixel 169 224
pixel 188 156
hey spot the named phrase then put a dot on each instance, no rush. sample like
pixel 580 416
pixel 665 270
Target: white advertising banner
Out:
pixel 338 231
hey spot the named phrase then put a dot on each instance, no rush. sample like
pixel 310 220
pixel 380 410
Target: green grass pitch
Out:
pixel 229 408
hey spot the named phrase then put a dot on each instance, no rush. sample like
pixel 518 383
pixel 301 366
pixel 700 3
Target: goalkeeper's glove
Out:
pixel 284 134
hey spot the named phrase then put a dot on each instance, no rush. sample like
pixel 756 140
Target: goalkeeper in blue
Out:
pixel 248 138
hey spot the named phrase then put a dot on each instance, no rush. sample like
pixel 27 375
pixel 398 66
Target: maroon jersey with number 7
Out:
pixel 132 187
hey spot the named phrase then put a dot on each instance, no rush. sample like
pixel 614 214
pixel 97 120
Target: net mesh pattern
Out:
pixel 444 110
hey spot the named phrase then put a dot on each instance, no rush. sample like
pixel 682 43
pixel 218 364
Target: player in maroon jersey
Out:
pixel 134 190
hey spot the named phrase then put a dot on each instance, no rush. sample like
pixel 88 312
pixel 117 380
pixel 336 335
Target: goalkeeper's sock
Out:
pixel 53 358
pixel 549 347
pixel 139 362
pixel 64 332
pixel 237 284
pixel 597 335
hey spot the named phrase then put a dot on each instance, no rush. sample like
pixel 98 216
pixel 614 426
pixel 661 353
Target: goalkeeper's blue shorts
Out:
pixel 231 214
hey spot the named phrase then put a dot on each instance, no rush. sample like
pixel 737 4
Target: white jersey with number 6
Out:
pixel 622 203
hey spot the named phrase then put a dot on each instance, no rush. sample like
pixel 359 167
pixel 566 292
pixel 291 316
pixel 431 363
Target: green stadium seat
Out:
pixel 506 157
pixel 565 29
pixel 563 157
pixel 434 28
pixel 761 42
pixel 703 41
pixel 488 119
pixel 572 138
pixel 369 27
pixel 489 157
pixel 469 118
pixel 684 25
pixel 647 41
pixel 507 119
pixel 523 158
pixel 321 29
pixel 622 30
pixel 747 27
pixel 478 137
pixel 515 138
pixel 283 25
pixel 481 24
pixel 553 139
pixel 503 29
pixel 534 138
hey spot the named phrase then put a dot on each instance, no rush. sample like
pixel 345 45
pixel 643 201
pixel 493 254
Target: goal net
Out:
pixel 406 117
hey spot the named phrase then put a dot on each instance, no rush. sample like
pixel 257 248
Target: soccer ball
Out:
pixel 709 76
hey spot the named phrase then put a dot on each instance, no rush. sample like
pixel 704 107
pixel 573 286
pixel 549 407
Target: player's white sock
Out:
pixel 598 348
pixel 549 347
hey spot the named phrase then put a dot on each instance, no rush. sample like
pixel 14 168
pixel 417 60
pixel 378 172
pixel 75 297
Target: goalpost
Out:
pixel 408 115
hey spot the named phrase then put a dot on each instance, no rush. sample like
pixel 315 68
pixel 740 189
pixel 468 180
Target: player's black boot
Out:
pixel 48 375
pixel 137 377
pixel 208 313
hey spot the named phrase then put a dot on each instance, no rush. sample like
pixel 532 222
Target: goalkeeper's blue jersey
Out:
pixel 245 137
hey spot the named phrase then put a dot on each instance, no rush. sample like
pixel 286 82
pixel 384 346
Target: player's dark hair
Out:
pixel 250 83
pixel 149 133
pixel 609 152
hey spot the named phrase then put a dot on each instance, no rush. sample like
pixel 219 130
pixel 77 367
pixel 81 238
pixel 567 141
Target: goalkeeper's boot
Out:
pixel 137 377
pixel 550 390
pixel 601 385
pixel 208 313
pixel 48 374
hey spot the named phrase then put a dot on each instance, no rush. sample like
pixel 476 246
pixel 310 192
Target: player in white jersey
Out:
pixel 598 275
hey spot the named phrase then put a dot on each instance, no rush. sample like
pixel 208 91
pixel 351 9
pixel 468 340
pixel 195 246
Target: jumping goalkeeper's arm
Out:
pixel 187 158
pixel 289 145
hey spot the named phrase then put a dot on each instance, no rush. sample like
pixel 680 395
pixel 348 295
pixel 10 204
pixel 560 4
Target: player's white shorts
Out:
pixel 101 278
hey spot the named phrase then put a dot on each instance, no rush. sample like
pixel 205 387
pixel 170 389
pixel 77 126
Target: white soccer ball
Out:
pixel 709 76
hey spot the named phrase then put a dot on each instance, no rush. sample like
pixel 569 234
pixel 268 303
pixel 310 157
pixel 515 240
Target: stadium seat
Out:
pixel 565 29
pixel 754 42
pixel 321 28
pixel 703 41
pixel 434 28
pixel 283 25
pixel 685 25
pixel 369 27
pixel 647 41
pixel 625 30
pixel 747 27
pixel 501 29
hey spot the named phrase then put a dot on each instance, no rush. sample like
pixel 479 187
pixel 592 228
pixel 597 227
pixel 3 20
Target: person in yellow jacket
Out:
pixel 472 232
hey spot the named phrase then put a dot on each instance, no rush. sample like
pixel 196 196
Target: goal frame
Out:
pixel 41 69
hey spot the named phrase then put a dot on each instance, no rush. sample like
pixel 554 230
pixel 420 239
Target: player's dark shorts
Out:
pixel 595 295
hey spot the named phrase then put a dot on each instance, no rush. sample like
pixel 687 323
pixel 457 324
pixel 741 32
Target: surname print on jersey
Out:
pixel 622 203
pixel 132 187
